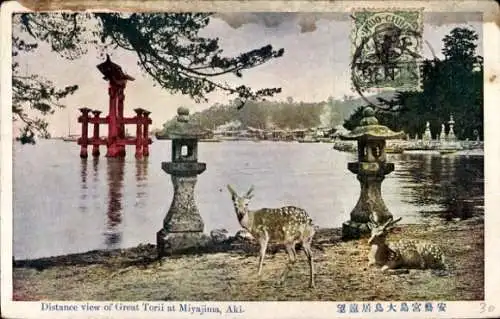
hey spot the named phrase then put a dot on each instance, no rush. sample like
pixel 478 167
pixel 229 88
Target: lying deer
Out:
pixel 287 225
pixel 409 254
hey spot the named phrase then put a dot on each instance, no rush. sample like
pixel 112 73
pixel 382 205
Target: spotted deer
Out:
pixel 409 254
pixel 287 225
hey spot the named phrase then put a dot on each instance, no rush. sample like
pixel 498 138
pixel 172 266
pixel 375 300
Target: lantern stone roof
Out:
pixel 369 128
pixel 184 129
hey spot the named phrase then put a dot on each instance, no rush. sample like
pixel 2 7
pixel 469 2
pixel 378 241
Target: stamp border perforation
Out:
pixel 353 48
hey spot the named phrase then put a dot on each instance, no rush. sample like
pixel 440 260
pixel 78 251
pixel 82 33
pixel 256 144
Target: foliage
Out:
pixel 169 49
pixel 287 114
pixel 26 137
pixel 354 119
pixel 33 94
pixel 452 86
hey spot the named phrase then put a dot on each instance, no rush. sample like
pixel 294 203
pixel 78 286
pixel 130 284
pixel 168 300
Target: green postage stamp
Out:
pixel 386 48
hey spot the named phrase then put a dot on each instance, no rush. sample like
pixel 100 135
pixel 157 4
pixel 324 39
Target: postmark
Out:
pixel 386 48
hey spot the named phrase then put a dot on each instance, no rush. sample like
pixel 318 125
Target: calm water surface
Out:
pixel 63 204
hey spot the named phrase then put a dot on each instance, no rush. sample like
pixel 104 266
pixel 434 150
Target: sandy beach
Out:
pixel 229 271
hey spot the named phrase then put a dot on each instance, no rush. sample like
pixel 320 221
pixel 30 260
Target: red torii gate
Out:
pixel 116 139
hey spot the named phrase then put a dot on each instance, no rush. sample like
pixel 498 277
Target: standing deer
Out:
pixel 403 253
pixel 287 225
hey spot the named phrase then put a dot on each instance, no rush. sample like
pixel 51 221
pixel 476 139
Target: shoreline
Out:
pixel 232 244
pixel 408 146
pixel 228 271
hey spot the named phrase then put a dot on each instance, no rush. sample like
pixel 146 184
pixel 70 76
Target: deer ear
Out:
pixel 374 218
pixel 249 193
pixel 371 218
pixel 231 190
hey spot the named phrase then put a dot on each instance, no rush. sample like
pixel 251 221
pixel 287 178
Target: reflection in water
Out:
pixel 84 186
pixel 115 170
pixel 454 183
pixel 95 169
pixel 467 189
pixel 83 173
pixel 115 174
pixel 141 177
pixel 95 178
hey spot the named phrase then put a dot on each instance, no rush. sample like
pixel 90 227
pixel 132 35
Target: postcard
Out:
pixel 250 159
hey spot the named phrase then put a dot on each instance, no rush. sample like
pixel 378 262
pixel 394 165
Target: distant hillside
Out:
pixel 287 114
pixel 348 106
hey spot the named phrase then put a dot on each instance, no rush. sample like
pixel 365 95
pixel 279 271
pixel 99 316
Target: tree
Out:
pixel 253 115
pixel 354 119
pixel 169 49
pixel 460 46
pixel 33 94
pixel 260 114
pixel 454 85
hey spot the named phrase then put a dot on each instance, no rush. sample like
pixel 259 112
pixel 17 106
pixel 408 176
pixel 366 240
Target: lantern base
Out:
pixel 168 244
pixel 354 230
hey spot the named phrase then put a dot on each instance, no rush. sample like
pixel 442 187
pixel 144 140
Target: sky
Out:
pixel 315 64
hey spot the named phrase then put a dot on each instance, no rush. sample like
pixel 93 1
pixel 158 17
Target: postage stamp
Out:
pixel 386 49
pixel 210 158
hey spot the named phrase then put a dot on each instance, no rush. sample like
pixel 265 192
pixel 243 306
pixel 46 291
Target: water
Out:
pixel 63 204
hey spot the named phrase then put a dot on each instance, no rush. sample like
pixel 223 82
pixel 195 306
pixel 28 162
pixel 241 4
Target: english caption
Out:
pixel 143 307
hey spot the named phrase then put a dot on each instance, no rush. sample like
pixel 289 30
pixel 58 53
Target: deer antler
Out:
pixel 395 221
pixel 391 222
pixel 386 224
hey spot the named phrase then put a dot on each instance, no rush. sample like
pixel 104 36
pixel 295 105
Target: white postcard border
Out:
pixel 457 309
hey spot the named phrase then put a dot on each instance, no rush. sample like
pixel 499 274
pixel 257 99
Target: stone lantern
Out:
pixel 451 132
pixel 183 225
pixel 427 134
pixel 370 169
pixel 442 135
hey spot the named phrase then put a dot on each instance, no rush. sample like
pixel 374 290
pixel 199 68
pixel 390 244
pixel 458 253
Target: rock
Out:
pixel 218 235
pixel 354 230
pixel 174 243
pixel 243 235
pixel 440 272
